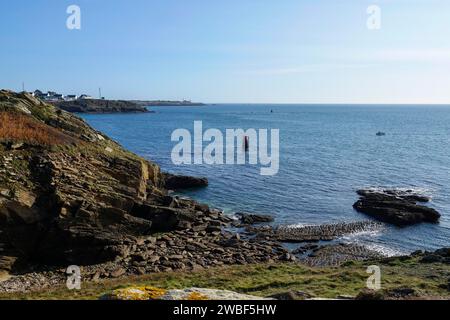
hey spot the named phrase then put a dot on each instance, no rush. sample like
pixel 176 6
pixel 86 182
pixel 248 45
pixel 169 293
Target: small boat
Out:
pixel 380 134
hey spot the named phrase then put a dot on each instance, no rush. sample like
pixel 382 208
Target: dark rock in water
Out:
pixel 324 232
pixel 408 195
pixel 250 218
pixel 396 207
pixel 176 182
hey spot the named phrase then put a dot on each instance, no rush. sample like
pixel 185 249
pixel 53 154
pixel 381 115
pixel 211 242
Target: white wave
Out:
pixel 385 251
pixel 358 234
pixel 297 225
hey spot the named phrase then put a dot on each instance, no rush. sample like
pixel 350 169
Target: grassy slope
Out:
pixel 266 280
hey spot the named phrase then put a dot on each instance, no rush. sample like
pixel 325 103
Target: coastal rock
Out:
pixel 178 182
pixel 251 218
pixel 395 207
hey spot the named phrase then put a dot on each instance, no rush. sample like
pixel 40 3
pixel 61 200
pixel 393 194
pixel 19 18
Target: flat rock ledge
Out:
pixel 395 207
pixel 326 232
pixel 189 294
pixel 335 254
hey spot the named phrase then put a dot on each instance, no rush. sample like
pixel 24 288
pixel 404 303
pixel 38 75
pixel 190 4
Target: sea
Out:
pixel 326 153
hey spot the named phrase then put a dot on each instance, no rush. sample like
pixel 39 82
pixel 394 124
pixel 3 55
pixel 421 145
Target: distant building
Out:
pixel 54 96
pixel 85 96
pixel 39 94
pixel 71 97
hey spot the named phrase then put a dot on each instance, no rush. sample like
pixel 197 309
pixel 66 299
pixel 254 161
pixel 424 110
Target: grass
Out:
pixel 265 280
pixel 15 127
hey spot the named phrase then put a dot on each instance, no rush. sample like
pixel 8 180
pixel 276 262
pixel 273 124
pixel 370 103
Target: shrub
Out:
pixel 15 127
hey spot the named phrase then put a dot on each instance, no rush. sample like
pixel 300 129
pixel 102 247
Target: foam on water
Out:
pixel 384 250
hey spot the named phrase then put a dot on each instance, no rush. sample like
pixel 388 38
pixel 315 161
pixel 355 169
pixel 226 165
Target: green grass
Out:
pixel 264 280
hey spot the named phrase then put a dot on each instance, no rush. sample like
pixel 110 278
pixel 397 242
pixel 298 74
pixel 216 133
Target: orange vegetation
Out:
pixel 22 128
pixel 197 296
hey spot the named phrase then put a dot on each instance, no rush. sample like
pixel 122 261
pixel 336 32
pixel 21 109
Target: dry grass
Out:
pixel 22 128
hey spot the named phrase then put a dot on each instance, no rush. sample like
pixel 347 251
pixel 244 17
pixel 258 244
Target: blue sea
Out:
pixel 327 152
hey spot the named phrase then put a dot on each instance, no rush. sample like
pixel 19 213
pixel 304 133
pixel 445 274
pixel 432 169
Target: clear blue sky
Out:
pixel 286 51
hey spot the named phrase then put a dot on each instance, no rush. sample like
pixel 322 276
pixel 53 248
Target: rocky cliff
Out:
pixel 70 194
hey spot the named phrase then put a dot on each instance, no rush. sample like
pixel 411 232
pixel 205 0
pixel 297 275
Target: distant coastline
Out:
pixel 87 104
pixel 100 106
pixel 167 103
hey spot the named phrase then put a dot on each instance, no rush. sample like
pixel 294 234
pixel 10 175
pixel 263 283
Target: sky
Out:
pixel 246 51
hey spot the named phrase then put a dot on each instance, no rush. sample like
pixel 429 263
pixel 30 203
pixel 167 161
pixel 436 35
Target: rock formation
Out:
pixel 251 218
pixel 177 182
pixel 396 207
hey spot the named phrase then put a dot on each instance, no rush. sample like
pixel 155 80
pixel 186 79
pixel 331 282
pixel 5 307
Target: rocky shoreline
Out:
pixel 72 196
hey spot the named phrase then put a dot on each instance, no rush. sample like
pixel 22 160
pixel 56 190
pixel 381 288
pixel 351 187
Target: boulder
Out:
pixel 250 218
pixel 178 182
